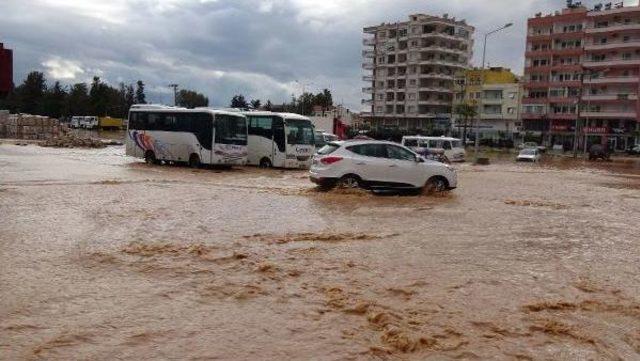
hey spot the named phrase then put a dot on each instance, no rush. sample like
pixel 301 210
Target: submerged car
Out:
pixel 634 150
pixel 378 165
pixel 598 151
pixel 533 145
pixel 529 155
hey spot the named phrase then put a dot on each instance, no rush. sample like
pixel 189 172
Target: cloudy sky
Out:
pixel 261 48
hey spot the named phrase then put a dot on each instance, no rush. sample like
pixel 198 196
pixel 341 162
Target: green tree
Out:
pixel 467 113
pixel 78 102
pixel 129 97
pixel 140 98
pixel 239 101
pixel 55 101
pixel 30 94
pixel 98 97
pixel 256 104
pixel 191 99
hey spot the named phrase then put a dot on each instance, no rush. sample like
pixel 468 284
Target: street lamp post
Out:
pixel 175 93
pixel 484 56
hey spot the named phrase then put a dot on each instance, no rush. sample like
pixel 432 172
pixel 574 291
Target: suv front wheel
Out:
pixel 436 185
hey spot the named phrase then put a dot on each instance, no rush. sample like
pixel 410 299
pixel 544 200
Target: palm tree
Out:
pixel 466 112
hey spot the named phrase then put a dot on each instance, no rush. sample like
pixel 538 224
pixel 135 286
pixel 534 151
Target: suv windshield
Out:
pixel 300 131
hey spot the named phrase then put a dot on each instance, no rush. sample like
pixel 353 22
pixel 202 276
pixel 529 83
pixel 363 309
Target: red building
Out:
pixel 6 70
pixel 582 68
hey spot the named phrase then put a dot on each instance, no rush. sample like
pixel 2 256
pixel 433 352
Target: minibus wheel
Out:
pixel 194 161
pixel 265 163
pixel 150 157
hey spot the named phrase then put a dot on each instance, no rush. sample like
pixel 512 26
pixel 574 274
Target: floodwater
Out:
pixel 103 257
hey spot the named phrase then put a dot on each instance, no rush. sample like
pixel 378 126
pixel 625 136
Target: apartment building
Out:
pixel 410 68
pixel 611 67
pixel 6 70
pixel 581 69
pixel 496 99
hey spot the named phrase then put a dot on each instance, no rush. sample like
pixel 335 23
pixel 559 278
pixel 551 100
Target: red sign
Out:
pixel 596 130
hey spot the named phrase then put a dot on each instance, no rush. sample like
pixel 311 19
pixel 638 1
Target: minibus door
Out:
pixel 279 153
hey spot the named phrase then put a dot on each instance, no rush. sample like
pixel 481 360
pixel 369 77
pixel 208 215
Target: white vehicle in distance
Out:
pixel 322 138
pixel 452 147
pixel 75 121
pixel 533 145
pixel 280 140
pixel 89 122
pixel 529 155
pixel 378 165
pixel 195 136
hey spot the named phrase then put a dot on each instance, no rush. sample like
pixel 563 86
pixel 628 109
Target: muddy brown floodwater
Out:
pixel 103 257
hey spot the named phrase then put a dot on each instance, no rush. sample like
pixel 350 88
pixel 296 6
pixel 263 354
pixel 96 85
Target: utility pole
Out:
pixel 175 93
pixel 479 116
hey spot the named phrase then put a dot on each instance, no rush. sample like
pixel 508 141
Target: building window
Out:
pixel 511 110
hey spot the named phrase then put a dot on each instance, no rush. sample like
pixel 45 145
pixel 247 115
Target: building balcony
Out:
pixel 531 101
pixel 609 114
pixel 450 63
pixel 367 90
pixel 538 53
pixel 563 84
pixel 434 89
pixel 536 85
pixel 612 63
pixel 367 78
pixel 613 80
pixel 562 116
pixel 563 100
pixel 368 42
pixel 366 114
pixel 436 76
pixel 538 37
pixel 492 101
pixel 566 67
pixel 368 54
pixel 613 28
pixel 435 48
pixel 367 101
pixel 433 102
pixel 446 36
pixel 368 66
pixel 610 97
pixel 567 51
pixel 616 45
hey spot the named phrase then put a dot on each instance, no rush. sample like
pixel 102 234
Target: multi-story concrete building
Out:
pixel 412 66
pixel 6 70
pixel 611 83
pixel 496 99
pixel 582 69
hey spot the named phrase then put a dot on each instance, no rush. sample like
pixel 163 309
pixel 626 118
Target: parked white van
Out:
pixel 452 147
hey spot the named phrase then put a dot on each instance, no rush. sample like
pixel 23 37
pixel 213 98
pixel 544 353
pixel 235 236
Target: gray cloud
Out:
pixel 222 47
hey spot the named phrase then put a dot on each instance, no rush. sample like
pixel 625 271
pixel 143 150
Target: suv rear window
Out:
pixel 328 149
pixel 370 150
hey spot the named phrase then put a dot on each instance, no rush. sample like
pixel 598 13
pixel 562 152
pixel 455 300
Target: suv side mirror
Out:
pixel 419 159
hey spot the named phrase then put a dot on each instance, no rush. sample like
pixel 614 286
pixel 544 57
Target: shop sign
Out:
pixel 596 130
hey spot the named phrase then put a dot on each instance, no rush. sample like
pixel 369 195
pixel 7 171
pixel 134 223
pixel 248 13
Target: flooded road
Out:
pixel 103 257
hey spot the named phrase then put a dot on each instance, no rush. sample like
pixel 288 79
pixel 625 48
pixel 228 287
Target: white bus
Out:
pixel 195 136
pixel 452 147
pixel 280 140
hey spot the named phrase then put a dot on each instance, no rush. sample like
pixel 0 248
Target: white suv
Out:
pixel 378 165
